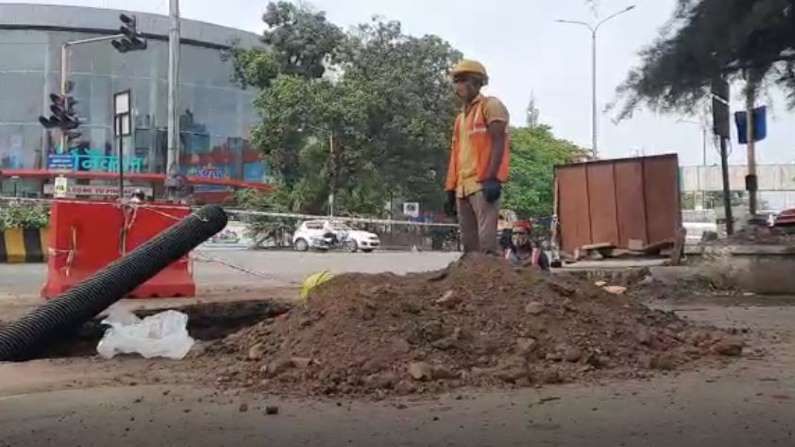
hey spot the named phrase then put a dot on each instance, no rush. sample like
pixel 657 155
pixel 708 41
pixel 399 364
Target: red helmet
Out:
pixel 523 225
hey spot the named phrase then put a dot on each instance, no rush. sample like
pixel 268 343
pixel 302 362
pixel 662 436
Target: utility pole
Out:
pixel 720 123
pixel 172 159
pixel 727 203
pixel 333 182
pixel 750 180
pixel 594 123
pixel 594 29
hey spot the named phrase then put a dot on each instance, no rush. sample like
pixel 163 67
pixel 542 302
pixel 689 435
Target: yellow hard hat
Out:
pixel 472 67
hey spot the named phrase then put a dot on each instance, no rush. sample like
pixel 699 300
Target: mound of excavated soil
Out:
pixel 478 323
pixel 758 235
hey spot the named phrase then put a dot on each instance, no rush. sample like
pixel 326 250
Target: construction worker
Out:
pixel 523 252
pixel 479 160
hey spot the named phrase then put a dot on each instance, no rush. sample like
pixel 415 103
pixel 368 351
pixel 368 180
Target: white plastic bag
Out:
pixel 161 335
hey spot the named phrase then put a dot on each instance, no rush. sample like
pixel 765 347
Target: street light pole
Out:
pixel 594 29
pixel 332 165
pixel 703 138
pixel 594 123
pixel 172 157
pixel 703 156
pixel 333 182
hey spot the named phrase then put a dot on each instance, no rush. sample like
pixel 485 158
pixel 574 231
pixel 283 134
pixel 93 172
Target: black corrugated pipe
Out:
pixel 24 338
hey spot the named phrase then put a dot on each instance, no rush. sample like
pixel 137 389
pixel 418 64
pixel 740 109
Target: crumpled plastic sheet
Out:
pixel 161 335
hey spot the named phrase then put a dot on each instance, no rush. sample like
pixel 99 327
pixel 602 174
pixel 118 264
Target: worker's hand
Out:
pixel 450 206
pixel 492 190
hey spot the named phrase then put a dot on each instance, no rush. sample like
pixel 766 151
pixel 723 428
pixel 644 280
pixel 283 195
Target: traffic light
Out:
pixel 72 137
pixel 63 114
pixel 132 40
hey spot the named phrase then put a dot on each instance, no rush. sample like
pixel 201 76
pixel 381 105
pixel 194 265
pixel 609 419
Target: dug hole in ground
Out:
pixel 478 323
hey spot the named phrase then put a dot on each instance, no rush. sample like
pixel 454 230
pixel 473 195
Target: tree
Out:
pixel 303 39
pixel 301 42
pixel 263 228
pixel 709 39
pixel 534 154
pixel 372 132
pixel 413 105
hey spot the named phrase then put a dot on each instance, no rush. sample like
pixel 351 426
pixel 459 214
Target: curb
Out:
pixel 18 246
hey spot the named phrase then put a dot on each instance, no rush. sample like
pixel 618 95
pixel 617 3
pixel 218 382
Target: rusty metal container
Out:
pixel 615 201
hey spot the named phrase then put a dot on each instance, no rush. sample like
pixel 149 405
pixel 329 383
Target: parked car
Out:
pixel 329 235
pixel 784 219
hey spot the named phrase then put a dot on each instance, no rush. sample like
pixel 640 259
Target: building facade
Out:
pixel 216 114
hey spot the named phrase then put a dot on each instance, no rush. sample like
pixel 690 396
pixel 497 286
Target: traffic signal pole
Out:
pixel 64 87
pixel 64 71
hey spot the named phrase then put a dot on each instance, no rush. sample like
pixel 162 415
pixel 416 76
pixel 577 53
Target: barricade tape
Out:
pixel 135 207
pixel 239 212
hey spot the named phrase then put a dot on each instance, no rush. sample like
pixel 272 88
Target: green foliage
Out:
pixel 261 228
pixel 24 215
pixel 299 43
pixel 375 131
pixel 303 40
pixel 254 67
pixel 534 154
pixel 711 38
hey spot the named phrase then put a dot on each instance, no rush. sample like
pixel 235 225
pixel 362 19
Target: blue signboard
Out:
pixel 61 162
pixel 759 122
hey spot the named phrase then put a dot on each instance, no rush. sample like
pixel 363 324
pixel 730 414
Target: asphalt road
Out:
pixel 266 269
pixel 88 401
pixel 749 403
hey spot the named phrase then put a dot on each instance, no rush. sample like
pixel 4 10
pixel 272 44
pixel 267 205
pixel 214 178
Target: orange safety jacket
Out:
pixel 480 142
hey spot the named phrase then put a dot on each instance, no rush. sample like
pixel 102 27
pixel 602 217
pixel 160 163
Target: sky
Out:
pixel 527 52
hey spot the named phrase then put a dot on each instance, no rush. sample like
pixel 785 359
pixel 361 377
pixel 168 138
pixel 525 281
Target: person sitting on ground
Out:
pixel 524 252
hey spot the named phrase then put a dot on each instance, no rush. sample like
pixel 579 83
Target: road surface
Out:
pixel 275 268
pixel 88 401
pixel 750 403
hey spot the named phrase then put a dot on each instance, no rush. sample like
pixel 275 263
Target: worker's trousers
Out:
pixel 478 220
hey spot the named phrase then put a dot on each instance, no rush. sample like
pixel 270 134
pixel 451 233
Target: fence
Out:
pixel 258 229
pixel 274 230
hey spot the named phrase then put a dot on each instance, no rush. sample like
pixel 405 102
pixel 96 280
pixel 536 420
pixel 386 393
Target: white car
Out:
pixel 327 234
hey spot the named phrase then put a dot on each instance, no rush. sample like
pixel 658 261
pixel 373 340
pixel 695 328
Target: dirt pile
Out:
pixel 758 235
pixel 478 323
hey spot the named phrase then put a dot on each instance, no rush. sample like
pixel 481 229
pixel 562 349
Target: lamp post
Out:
pixel 703 138
pixel 700 171
pixel 594 28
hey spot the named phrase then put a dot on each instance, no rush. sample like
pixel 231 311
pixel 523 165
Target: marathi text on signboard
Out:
pixel 90 190
pixel 93 162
